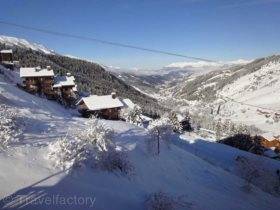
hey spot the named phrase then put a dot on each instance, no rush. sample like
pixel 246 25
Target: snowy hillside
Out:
pixel 13 41
pixel 246 94
pixel 197 173
pixel 254 98
pixel 208 64
pixel 263 84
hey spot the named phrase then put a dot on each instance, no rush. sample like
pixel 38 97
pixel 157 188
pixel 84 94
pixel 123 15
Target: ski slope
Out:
pixel 28 178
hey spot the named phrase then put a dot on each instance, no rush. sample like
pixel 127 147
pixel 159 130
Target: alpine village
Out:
pixel 62 88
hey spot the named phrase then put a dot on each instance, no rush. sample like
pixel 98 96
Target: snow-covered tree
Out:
pixel 163 201
pixel 81 145
pixel 176 125
pixel 9 129
pixel 186 122
pixel 96 134
pixel 248 169
pixel 218 130
pixel 160 130
pixel 90 146
pixel 68 153
pixel 242 129
pixel 114 160
pixel 132 115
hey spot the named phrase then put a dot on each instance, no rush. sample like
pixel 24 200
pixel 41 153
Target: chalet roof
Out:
pixel 6 51
pixel 36 72
pixel 95 102
pixel 128 103
pixel 62 81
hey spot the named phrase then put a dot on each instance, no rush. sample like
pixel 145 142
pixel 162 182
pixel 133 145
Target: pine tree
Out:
pixel 219 130
pixel 176 125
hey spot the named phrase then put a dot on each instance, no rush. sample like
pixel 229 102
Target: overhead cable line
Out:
pixel 106 42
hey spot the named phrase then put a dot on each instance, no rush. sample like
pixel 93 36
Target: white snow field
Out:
pixel 13 41
pixel 258 89
pixel 197 170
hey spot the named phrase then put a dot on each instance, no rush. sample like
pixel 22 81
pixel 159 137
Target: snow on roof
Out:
pixel 6 51
pixel 128 103
pixel 75 89
pixel 61 81
pixel 35 72
pixel 180 117
pixel 95 102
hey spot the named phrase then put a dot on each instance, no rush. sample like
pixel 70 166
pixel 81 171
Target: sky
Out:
pixel 211 29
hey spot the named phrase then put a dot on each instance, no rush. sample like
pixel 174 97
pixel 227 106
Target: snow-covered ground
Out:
pixel 198 170
pixel 258 90
pixel 13 41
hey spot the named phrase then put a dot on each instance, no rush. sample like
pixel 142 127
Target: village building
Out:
pixel 106 106
pixel 37 80
pixel 6 58
pixel 65 88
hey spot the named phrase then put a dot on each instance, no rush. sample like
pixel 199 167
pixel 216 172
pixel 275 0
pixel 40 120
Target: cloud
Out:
pixel 201 64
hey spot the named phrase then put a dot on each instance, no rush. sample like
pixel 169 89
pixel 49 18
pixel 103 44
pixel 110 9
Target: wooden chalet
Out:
pixel 37 80
pixel 6 58
pixel 65 88
pixel 106 106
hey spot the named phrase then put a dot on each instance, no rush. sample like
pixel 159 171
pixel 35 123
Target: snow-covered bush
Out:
pixel 114 160
pixel 67 154
pixel 163 201
pixel 9 130
pixel 245 142
pixel 132 115
pixel 218 130
pixel 160 130
pixel 91 146
pixel 186 123
pixel 254 171
pixel 175 123
pixel 248 170
pixel 84 145
pixel 96 134
pixel 276 117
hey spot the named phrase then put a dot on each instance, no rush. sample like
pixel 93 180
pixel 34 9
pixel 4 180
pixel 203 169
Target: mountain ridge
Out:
pixel 90 77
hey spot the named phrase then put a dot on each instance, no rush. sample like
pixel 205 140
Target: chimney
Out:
pixel 114 95
pixel 48 68
pixel 38 68
pixel 68 74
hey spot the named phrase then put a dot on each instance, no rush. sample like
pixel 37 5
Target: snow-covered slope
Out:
pixel 13 41
pixel 207 64
pixel 28 179
pixel 260 88
pixel 254 98
pixel 247 94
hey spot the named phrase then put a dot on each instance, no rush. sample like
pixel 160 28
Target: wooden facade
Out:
pixel 6 59
pixel 66 93
pixel 108 113
pixel 40 85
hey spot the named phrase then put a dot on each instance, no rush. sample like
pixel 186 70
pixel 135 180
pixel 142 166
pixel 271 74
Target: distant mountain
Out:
pixel 207 64
pixel 91 77
pixel 206 86
pixel 13 41
pixel 245 93
pixel 151 81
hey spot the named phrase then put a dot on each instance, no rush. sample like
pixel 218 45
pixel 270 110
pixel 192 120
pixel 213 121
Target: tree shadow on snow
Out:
pixel 62 195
